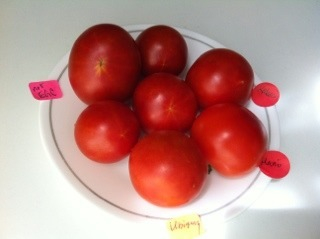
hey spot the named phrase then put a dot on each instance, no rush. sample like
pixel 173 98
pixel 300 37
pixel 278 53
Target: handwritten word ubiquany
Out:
pixel 177 225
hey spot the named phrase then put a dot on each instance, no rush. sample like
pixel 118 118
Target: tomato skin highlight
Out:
pixel 163 49
pixel 221 76
pixel 167 169
pixel 163 101
pixel 104 63
pixel 231 138
pixel 106 131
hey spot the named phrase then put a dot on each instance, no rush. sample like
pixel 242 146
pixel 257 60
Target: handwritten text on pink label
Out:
pixel 45 90
pixel 275 164
pixel 265 94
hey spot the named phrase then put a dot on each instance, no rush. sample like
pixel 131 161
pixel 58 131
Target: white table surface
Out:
pixel 281 39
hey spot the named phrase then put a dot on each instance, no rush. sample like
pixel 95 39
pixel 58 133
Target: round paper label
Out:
pixel 265 94
pixel 275 164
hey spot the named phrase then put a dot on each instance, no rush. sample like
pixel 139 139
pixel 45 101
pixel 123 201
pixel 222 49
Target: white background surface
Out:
pixel 281 40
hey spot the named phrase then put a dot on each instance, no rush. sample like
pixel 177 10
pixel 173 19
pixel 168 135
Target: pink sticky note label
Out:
pixel 275 164
pixel 265 94
pixel 45 90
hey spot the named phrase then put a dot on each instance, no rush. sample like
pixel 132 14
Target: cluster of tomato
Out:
pixel 171 128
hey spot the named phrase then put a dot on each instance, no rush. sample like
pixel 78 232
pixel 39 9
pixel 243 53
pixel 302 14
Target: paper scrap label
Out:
pixel 185 227
pixel 45 90
pixel 265 94
pixel 275 164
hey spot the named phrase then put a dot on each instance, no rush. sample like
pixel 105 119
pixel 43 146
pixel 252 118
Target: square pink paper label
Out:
pixel 45 90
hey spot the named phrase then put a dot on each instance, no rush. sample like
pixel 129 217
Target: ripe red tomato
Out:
pixel 162 101
pixel 163 49
pixel 167 169
pixel 106 131
pixel 231 138
pixel 104 63
pixel 221 76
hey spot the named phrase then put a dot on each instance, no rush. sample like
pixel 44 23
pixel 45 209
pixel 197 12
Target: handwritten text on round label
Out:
pixel 265 94
pixel 275 164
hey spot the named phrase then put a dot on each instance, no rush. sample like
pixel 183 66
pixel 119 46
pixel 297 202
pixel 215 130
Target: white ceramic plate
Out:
pixel 109 185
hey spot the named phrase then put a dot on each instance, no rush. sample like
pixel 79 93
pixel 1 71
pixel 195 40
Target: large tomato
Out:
pixel 167 169
pixel 219 76
pixel 106 131
pixel 104 63
pixel 231 138
pixel 163 49
pixel 162 101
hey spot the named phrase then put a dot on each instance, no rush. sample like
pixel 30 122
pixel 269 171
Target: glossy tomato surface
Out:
pixel 163 49
pixel 106 131
pixel 162 101
pixel 167 169
pixel 231 138
pixel 221 76
pixel 104 63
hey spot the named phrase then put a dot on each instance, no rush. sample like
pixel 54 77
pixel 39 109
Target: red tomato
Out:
pixel 106 131
pixel 231 138
pixel 163 49
pixel 220 76
pixel 167 169
pixel 163 101
pixel 104 63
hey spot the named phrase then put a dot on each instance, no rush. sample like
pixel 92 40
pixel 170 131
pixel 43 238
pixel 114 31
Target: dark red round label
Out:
pixel 275 164
pixel 265 94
